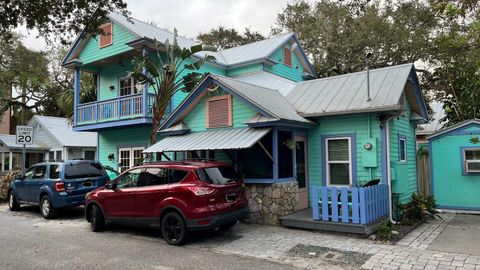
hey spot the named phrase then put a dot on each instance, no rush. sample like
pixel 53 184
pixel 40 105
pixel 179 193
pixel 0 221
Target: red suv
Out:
pixel 176 196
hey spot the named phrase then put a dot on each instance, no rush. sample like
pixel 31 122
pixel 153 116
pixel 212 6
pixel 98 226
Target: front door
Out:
pixel 129 157
pixel 301 171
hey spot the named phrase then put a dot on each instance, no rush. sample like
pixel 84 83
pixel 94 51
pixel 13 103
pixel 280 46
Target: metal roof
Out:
pixel 434 124
pixel 145 30
pixel 10 142
pixel 268 80
pixel 454 127
pixel 348 93
pixel 269 100
pixel 232 138
pixel 61 130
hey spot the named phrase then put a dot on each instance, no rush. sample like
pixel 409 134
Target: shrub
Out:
pixel 419 208
pixel 384 231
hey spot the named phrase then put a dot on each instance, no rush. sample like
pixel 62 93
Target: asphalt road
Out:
pixel 27 241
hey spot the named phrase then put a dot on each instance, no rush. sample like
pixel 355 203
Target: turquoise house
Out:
pixel 340 150
pixel 455 166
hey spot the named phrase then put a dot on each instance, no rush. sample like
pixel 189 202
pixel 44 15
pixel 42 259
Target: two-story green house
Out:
pixel 343 147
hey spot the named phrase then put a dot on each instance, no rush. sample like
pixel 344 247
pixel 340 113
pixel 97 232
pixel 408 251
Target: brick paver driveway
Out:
pixel 347 252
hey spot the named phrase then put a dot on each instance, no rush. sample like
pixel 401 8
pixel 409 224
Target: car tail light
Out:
pixel 60 186
pixel 202 191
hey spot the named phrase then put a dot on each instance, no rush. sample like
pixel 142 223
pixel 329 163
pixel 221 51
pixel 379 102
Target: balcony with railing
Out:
pixel 98 114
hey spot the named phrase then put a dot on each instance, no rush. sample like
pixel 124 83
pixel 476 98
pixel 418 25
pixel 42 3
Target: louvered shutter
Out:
pixel 287 56
pixel 106 37
pixel 219 112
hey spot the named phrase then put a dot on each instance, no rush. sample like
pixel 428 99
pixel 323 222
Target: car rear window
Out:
pixel 217 175
pixel 83 170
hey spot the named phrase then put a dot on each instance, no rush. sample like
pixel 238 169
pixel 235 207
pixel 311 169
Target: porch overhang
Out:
pixel 224 139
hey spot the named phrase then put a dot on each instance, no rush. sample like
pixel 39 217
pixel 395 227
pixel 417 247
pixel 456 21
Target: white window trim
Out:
pixel 132 86
pixel 131 158
pixel 327 162
pixel 55 153
pixel 470 161
pixel 404 149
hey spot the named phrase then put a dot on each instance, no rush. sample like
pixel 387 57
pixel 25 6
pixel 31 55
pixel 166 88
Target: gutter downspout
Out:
pixel 389 178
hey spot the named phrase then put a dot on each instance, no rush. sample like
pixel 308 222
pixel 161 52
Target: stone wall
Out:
pixel 268 202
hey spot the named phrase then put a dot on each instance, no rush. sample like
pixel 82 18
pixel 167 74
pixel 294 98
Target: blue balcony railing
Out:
pixel 114 109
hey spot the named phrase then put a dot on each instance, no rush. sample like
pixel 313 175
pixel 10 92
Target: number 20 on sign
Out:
pixel 24 135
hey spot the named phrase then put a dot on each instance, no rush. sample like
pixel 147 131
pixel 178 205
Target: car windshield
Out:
pixel 217 175
pixel 83 170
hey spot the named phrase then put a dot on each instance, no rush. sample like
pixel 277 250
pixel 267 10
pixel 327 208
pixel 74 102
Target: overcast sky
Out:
pixel 192 17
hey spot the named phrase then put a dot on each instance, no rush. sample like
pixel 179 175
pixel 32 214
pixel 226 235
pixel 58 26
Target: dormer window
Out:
pixel 287 57
pixel 106 37
pixel 219 111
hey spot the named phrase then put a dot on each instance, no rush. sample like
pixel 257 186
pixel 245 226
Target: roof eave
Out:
pixel 370 110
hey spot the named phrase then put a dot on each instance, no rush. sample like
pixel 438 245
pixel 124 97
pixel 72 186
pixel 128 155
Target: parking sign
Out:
pixel 24 135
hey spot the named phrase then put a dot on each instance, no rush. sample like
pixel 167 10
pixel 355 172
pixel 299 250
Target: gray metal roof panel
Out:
pixel 268 80
pixel 267 99
pixel 454 127
pixel 434 124
pixel 236 138
pixel 61 130
pixel 348 92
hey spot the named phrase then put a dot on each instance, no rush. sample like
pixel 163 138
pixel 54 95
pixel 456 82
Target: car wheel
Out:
pixel 97 221
pixel 173 229
pixel 46 208
pixel 227 226
pixel 12 201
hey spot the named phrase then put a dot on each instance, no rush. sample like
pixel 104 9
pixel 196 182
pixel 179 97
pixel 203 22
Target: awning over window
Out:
pixel 232 138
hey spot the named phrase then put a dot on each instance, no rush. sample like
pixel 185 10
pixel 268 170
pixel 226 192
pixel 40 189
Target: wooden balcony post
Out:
pixel 76 95
pixel 145 87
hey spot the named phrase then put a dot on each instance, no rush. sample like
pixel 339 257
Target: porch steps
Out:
pixel 304 220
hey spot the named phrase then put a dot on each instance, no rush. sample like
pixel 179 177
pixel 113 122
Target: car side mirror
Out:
pixel 19 177
pixel 111 185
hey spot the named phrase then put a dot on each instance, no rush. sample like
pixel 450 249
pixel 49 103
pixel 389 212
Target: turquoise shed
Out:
pixel 455 166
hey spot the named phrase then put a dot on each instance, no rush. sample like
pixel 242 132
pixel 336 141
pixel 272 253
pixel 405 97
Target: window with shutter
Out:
pixel 106 37
pixel 219 111
pixel 287 56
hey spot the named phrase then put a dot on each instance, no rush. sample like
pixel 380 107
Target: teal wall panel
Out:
pixel 110 140
pixel 196 118
pixel 450 187
pixel 405 181
pixel 293 73
pixel 357 124
pixel 91 52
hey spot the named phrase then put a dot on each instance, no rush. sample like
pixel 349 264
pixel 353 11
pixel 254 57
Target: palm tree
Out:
pixel 162 71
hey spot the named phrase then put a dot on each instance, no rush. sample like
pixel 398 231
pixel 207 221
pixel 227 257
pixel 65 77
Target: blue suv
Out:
pixel 53 185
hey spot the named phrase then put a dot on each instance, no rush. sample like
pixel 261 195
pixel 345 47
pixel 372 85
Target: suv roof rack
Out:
pixel 198 159
pixel 54 160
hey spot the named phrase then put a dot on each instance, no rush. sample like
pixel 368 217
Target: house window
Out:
pixel 89 154
pixel 338 161
pixel 129 157
pixel 472 160
pixel 127 86
pixel 287 57
pixel 106 37
pixel 402 149
pixel 219 111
